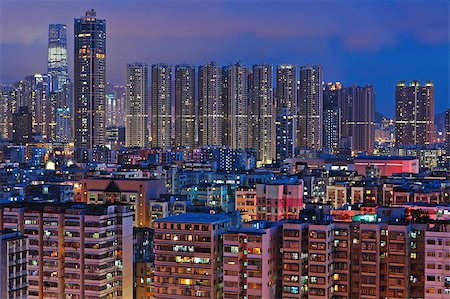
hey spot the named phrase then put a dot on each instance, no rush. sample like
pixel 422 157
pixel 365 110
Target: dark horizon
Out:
pixel 377 43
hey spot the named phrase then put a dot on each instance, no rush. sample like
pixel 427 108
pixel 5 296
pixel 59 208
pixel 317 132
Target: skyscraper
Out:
pixel 185 106
pixel 110 109
pixel 332 95
pixel 59 97
pixel 363 131
pixel 63 125
pixel 6 110
pixel 236 103
pixel 286 89
pixel 116 108
pixel 310 124
pixel 357 105
pixel 210 106
pixel 57 68
pixel 262 111
pixel 22 126
pixel 286 109
pixel 89 80
pixel 285 124
pixel 137 105
pixel 32 92
pixel 161 127
pixel 447 136
pixel 414 113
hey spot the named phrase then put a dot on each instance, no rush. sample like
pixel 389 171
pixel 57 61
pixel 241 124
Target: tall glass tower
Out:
pixel 60 104
pixel 57 56
pixel 89 81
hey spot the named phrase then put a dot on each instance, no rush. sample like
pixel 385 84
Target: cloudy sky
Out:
pixel 356 41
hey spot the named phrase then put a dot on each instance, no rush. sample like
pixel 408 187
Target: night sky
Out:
pixel 362 42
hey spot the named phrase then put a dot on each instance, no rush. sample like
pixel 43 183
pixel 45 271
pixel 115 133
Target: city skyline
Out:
pixel 251 149
pixel 375 47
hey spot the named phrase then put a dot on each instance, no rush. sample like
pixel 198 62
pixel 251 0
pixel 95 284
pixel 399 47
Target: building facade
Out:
pixel 236 105
pixel 332 116
pixel 251 261
pixel 75 250
pixel 310 112
pixel 188 255
pixel 89 81
pixel 22 126
pixel 185 106
pixel 262 111
pixel 414 113
pixel 211 109
pixel 161 128
pixel 14 265
pixel 59 85
pixel 137 105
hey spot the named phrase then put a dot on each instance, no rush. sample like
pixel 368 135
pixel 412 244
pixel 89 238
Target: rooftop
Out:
pixel 405 158
pixel 202 218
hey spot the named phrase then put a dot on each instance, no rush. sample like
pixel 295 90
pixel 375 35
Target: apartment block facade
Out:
pixel 75 250
pixel 188 255
pixel 14 265
pixel 250 261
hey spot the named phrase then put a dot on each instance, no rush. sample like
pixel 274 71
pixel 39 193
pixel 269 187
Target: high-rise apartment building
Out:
pixel 211 110
pixel 89 81
pixel 6 110
pixel 262 113
pixel 188 255
pixel 185 106
pixel 286 105
pixel 286 88
pixel 236 106
pixel 22 126
pixel 357 106
pixel 320 264
pixel 59 86
pixel 285 135
pixel 437 268
pixel 447 136
pixel 110 109
pixel 294 272
pixel 75 250
pixel 362 123
pixel 137 105
pixel 161 128
pixel 332 117
pixel 116 105
pixel 310 108
pixel 32 92
pixel 63 125
pixel 13 265
pixel 414 113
